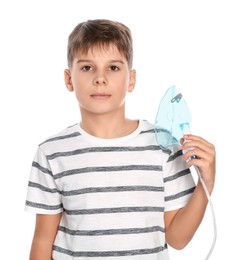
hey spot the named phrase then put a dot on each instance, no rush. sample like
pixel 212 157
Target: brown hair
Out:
pixel 100 32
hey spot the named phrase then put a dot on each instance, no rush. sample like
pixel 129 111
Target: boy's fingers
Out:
pixel 182 140
pixel 191 137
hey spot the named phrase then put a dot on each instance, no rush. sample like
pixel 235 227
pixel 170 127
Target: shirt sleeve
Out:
pixel 43 195
pixel 178 181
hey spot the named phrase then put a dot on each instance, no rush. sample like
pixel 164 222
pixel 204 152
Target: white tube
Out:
pixel 186 130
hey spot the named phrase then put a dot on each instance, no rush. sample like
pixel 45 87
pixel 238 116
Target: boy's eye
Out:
pixel 86 68
pixel 114 68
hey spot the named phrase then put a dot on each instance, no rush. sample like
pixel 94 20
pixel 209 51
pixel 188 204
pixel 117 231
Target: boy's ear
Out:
pixel 132 82
pixel 67 79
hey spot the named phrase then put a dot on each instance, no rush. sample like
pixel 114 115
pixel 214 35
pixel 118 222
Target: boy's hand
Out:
pixel 205 157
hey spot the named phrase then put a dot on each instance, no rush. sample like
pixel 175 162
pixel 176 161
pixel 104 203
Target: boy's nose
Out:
pixel 100 80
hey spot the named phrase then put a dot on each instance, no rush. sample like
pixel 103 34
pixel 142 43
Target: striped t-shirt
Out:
pixel 112 193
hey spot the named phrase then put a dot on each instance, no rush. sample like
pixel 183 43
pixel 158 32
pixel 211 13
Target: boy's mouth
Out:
pixel 100 96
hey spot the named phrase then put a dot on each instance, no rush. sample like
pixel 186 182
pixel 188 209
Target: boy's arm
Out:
pixel 181 224
pixel 46 228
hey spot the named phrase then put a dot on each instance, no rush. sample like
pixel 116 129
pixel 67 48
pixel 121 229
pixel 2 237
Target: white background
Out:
pixel 195 45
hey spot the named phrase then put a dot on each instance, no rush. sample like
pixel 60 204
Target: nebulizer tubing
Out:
pixel 172 123
pixel 186 130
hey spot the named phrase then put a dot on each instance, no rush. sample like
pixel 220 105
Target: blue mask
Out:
pixel 172 119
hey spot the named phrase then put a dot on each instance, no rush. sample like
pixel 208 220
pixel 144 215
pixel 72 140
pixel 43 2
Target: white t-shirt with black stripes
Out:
pixel 112 193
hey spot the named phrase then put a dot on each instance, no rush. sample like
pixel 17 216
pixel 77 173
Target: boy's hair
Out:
pixel 100 33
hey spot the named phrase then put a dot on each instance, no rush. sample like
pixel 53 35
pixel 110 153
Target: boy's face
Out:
pixel 100 79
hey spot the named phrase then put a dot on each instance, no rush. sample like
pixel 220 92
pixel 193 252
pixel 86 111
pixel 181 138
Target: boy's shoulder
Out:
pixel 65 135
pixel 147 125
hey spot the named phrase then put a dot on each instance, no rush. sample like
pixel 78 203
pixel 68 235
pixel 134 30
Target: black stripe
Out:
pixel 177 175
pixel 105 232
pixel 43 206
pixel 73 125
pixel 166 134
pixel 109 169
pixel 112 189
pixel 150 131
pixel 104 150
pixel 61 137
pixel 43 188
pixel 180 194
pixel 109 253
pixel 175 155
pixel 113 210
pixel 156 131
pixel 41 168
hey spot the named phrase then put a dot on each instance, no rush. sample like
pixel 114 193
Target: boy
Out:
pixel 104 189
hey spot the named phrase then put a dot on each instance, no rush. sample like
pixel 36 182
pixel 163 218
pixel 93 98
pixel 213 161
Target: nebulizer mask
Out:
pixel 172 123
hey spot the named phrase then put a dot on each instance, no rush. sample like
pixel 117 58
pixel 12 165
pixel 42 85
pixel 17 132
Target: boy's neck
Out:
pixel 102 126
